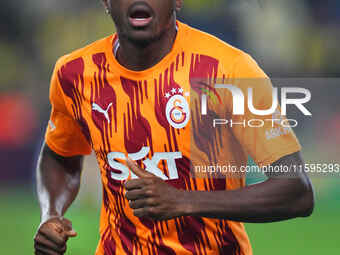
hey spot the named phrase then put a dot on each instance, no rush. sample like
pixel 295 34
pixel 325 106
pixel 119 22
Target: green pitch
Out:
pixel 19 217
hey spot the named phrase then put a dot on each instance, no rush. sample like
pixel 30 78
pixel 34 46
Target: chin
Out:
pixel 142 37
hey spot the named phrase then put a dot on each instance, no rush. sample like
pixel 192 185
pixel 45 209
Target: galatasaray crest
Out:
pixel 177 108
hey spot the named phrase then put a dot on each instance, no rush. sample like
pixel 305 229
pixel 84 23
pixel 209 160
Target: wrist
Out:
pixel 49 215
pixel 186 203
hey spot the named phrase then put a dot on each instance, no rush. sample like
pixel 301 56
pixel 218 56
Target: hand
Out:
pixel 151 197
pixel 52 236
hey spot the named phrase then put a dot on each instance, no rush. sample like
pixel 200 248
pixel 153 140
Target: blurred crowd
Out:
pixel 288 38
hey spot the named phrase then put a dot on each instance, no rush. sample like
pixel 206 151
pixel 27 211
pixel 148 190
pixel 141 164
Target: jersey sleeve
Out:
pixel 63 134
pixel 265 138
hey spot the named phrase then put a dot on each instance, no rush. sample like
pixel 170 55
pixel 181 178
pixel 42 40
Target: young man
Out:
pixel 126 97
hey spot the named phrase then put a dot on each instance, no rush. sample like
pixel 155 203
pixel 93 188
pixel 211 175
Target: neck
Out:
pixel 138 57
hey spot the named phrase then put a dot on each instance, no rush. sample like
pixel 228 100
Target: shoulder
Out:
pixel 98 46
pixel 207 44
pixel 230 57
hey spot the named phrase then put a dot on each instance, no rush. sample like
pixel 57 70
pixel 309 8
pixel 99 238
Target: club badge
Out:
pixel 177 108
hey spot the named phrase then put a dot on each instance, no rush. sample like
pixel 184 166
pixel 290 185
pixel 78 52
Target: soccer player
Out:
pixel 127 97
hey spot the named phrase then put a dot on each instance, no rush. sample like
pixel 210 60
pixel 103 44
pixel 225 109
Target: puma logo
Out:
pixel 97 108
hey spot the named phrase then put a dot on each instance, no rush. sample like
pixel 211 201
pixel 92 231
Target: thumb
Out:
pixel 137 170
pixel 71 233
pixel 68 230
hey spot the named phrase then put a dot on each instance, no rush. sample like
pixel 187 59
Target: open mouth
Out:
pixel 140 15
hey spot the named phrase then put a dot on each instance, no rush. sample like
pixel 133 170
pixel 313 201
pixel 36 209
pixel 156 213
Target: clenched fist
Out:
pixel 52 236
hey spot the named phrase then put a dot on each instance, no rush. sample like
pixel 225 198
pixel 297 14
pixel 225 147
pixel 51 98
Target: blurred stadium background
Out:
pixel 288 38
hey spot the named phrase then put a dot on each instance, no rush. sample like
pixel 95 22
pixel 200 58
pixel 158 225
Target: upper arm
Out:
pixel 291 166
pixel 292 179
pixel 50 158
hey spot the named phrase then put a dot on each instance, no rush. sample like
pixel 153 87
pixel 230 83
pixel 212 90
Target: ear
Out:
pixel 179 4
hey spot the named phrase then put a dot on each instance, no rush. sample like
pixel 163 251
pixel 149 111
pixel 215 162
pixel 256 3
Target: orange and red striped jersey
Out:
pixel 99 105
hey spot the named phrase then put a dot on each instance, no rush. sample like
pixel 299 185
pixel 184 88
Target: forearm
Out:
pixel 262 202
pixel 278 198
pixel 58 182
